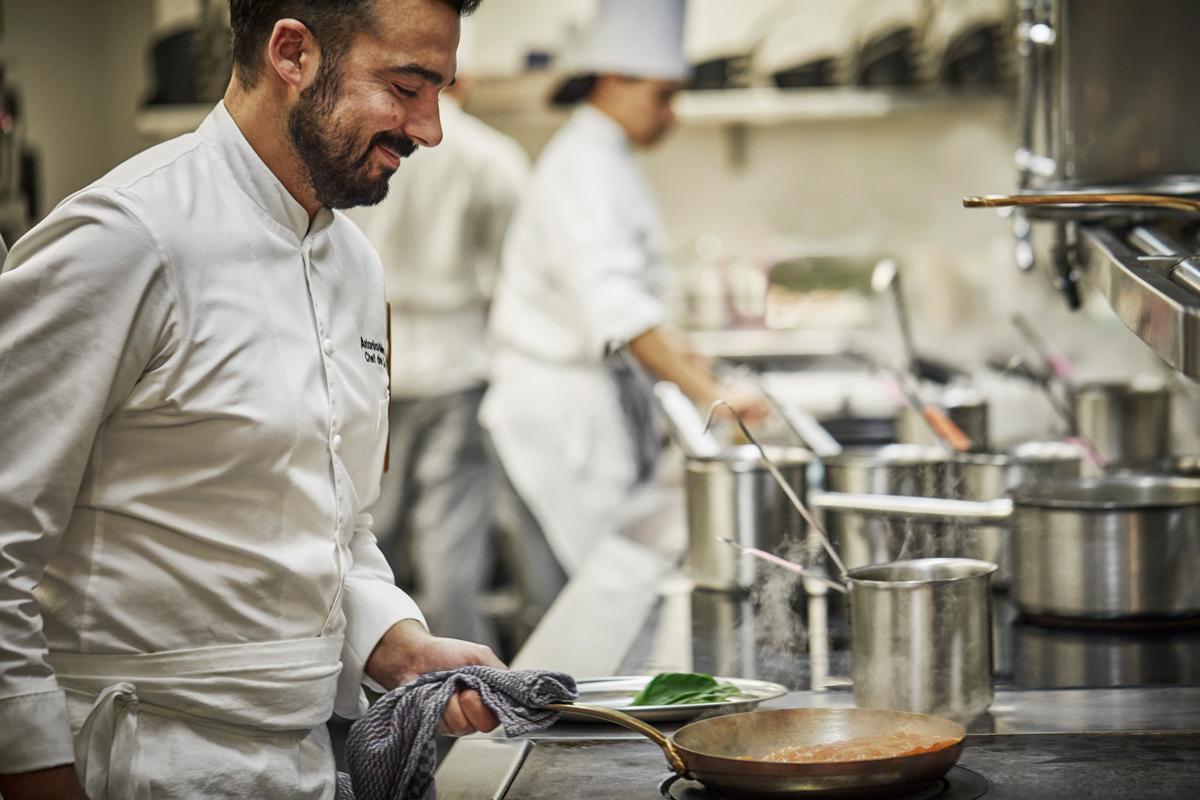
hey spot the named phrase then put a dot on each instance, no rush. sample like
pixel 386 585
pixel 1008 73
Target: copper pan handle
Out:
pixel 632 723
pixel 1152 200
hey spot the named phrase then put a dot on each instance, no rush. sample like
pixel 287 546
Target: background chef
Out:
pixel 583 273
pixel 194 422
pixel 439 234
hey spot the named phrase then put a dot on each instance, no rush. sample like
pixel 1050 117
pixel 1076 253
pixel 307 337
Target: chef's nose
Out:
pixel 424 124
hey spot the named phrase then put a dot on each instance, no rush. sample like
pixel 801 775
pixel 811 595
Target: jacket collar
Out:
pixel 256 179
pixel 601 126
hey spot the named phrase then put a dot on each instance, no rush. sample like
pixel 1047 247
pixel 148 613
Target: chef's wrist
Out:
pixel 393 660
pixel 54 783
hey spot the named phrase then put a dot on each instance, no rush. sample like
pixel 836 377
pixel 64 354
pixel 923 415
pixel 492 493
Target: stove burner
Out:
pixel 960 783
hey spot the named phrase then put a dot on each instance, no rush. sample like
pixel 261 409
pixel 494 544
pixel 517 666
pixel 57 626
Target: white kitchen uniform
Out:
pixel 584 267
pixel 439 234
pixel 193 410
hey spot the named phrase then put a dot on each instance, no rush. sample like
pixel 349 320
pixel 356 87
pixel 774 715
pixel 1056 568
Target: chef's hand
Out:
pixel 750 407
pixel 408 651
pixel 56 783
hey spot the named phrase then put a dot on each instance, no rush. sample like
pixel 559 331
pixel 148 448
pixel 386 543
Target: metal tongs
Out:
pixel 791 495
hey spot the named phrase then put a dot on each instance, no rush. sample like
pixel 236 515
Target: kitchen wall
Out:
pixel 79 66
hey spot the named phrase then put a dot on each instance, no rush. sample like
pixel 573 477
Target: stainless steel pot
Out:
pixel 966 408
pixel 897 469
pixel 921 636
pixel 990 476
pixel 1112 548
pixel 1129 423
pixel 1120 548
pixel 733 496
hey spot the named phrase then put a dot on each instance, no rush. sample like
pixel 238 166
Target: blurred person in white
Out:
pixel 194 418
pixel 583 275
pixel 439 234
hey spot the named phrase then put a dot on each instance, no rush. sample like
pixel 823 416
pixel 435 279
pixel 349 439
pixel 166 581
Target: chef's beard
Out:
pixel 338 165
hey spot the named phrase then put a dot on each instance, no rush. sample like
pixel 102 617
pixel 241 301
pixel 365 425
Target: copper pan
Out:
pixel 710 751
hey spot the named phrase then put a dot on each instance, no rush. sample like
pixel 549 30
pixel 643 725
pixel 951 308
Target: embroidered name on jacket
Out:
pixel 373 352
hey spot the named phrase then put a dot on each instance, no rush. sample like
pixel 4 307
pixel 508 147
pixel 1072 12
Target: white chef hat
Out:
pixel 638 38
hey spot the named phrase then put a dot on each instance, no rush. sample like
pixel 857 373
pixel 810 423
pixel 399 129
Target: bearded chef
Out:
pixel 195 398
pixel 582 275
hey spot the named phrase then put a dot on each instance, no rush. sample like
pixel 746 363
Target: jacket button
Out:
pixel 327 346
pixel 336 443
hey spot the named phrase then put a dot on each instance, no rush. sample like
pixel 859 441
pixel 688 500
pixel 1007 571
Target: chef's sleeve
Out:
pixel 85 308
pixel 612 259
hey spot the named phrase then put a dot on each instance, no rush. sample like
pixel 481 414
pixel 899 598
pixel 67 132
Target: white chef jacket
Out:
pixel 439 234
pixel 584 267
pixel 193 411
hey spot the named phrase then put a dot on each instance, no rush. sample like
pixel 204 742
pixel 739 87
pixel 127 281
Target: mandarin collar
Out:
pixel 256 179
pixel 602 126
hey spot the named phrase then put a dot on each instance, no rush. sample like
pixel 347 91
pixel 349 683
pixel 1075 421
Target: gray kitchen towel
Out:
pixel 391 752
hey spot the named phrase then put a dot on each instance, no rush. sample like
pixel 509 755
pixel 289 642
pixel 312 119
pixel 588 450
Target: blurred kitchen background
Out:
pixel 820 137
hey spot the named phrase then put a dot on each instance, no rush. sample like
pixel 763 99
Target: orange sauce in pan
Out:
pixel 862 748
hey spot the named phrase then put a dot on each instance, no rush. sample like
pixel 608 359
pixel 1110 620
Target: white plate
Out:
pixel 617 693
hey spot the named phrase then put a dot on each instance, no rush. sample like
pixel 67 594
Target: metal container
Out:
pixel 921 636
pixel 990 476
pixel 966 408
pixel 897 469
pixel 1129 423
pixel 1117 548
pixel 733 496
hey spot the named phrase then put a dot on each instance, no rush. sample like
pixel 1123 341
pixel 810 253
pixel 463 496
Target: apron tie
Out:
pixel 106 750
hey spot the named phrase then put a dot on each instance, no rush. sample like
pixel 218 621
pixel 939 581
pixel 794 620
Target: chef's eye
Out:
pixel 404 92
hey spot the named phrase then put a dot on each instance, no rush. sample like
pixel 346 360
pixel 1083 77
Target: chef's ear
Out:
pixel 294 53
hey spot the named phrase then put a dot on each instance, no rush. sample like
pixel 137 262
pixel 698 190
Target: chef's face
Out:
pixel 377 103
pixel 646 107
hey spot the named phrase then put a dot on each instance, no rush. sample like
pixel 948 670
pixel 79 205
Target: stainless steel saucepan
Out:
pixel 720 752
pixel 1117 548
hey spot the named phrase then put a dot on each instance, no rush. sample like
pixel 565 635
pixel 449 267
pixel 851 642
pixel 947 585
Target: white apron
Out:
pixel 229 721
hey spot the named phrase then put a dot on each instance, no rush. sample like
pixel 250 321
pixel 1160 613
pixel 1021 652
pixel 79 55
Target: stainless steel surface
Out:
pixel 617 692
pixel 921 636
pixel 735 497
pixel 481 769
pixel 1064 657
pixel 1128 424
pixel 1163 314
pixel 1126 77
pixel 1108 549
pixel 990 476
pixel 714 751
pixel 910 470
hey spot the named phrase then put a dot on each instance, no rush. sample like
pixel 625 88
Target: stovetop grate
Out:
pixel 960 783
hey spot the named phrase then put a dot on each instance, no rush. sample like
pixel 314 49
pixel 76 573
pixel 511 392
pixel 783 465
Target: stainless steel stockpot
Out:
pixel 1129 423
pixel 921 636
pixel 895 469
pixel 1108 548
pixel 733 496
pixel 1125 547
pixel 990 476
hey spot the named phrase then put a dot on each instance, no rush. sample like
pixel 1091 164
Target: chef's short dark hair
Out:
pixel 334 23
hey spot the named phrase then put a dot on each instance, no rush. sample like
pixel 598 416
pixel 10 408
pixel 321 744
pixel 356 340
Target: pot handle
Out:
pixel 885 505
pixel 633 724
